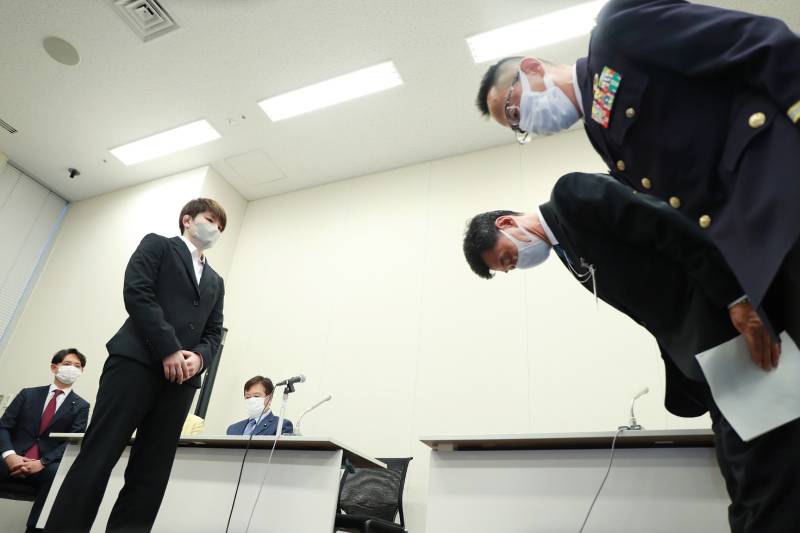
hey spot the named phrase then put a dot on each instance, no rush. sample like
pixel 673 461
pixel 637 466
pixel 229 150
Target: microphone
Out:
pixel 327 398
pixel 633 424
pixel 300 378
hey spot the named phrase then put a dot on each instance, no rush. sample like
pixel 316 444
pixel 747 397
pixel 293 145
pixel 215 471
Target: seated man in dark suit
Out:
pixel 30 456
pixel 645 259
pixel 260 420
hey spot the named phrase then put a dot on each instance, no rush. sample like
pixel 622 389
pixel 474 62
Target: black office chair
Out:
pixel 371 498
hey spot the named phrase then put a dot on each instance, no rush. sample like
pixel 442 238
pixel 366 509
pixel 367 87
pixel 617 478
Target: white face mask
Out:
pixel 68 374
pixel 546 112
pixel 254 407
pixel 531 253
pixel 205 233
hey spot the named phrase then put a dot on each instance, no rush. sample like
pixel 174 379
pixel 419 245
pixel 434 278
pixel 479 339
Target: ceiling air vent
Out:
pixel 8 127
pixel 146 18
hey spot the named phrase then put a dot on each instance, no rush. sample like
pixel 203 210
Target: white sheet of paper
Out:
pixel 754 401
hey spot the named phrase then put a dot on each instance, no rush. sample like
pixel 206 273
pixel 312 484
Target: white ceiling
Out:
pixel 228 55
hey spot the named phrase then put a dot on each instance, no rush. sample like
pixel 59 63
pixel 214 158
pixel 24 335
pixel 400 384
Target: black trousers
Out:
pixel 41 482
pixel 762 476
pixel 131 397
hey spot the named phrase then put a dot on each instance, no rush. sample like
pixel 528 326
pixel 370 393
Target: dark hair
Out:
pixel 200 205
pixel 59 356
pixel 488 81
pixel 481 235
pixel 259 380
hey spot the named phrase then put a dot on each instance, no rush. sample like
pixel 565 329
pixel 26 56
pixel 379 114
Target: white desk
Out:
pixel 299 494
pixel 661 482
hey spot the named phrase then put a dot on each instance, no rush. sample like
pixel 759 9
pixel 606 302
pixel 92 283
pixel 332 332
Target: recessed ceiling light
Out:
pixel 536 32
pixel 167 142
pixel 61 51
pixel 333 91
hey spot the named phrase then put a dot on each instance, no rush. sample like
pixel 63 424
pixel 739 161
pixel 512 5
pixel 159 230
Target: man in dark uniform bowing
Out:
pixel 696 105
pixel 641 257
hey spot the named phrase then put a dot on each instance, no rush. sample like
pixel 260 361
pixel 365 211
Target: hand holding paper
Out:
pixel 763 351
pixel 753 401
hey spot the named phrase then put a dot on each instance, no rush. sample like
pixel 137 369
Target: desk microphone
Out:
pixel 633 424
pixel 300 378
pixel 327 398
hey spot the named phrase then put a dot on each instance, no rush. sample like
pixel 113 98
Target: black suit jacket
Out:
pixel 167 310
pixel 19 425
pixel 652 264
pixel 707 110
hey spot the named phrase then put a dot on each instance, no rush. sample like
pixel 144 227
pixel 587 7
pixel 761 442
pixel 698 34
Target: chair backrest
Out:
pixel 375 492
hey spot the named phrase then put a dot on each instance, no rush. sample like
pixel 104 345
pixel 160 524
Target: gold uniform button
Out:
pixel 757 120
pixel 705 221
pixel 621 165
pixel 630 112
pixel 675 202
pixel 646 183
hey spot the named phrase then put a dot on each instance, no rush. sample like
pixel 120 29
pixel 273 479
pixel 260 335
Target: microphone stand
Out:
pixel 287 389
pixel 300 421
pixel 633 424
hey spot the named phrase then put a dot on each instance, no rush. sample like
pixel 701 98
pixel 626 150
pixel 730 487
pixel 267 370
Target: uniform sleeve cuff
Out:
pixel 794 112
pixel 7 453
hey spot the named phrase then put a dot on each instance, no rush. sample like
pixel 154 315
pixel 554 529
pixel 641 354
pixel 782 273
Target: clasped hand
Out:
pixel 181 366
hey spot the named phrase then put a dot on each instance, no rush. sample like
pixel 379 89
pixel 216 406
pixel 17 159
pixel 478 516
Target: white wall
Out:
pixel 214 186
pixel 77 301
pixel 362 286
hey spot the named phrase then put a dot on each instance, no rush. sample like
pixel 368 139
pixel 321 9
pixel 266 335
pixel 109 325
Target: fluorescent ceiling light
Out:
pixel 534 33
pixel 333 91
pixel 168 142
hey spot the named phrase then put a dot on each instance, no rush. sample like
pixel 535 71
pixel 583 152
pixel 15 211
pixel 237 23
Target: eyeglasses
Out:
pixel 512 113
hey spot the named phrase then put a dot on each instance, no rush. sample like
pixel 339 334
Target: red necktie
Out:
pixel 47 417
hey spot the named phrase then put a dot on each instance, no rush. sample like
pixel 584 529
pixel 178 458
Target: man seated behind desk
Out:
pixel 30 456
pixel 260 420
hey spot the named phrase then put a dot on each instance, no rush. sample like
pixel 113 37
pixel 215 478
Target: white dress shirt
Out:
pixel 255 427
pixel 550 236
pixel 262 417
pixel 59 402
pixel 198 261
